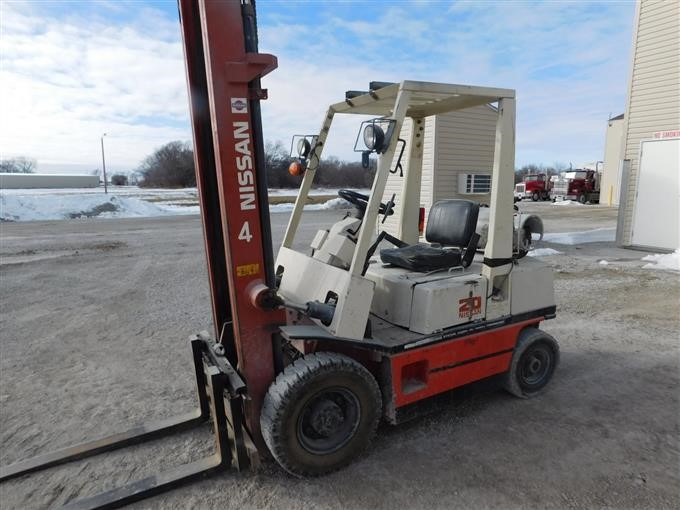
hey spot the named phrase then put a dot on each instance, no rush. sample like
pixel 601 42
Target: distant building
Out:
pixel 610 187
pixel 649 211
pixel 32 181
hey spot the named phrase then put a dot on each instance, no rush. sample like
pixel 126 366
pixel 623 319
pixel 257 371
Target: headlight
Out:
pixel 303 148
pixel 374 137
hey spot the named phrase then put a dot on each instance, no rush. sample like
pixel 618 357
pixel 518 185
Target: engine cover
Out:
pixel 427 303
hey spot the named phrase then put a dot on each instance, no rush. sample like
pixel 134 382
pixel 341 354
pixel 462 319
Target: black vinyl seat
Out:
pixel 451 225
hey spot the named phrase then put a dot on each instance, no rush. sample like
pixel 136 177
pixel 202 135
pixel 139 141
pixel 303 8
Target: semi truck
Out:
pixel 582 185
pixel 536 187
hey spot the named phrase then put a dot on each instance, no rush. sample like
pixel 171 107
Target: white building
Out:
pixel 457 159
pixel 31 181
pixel 649 214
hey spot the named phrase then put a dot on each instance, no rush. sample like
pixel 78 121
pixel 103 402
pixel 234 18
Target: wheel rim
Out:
pixel 535 367
pixel 328 420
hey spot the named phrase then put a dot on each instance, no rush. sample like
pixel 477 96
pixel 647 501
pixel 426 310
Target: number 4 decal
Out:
pixel 244 234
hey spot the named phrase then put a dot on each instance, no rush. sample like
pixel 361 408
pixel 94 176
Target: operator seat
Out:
pixel 451 224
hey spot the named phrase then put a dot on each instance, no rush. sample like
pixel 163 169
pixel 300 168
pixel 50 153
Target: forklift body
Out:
pixel 311 350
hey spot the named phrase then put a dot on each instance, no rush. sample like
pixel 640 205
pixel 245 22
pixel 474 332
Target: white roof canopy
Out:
pixel 426 99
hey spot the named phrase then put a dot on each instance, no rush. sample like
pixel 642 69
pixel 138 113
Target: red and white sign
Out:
pixel 467 307
pixel 675 133
pixel 239 105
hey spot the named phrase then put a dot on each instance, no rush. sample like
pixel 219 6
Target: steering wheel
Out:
pixel 360 201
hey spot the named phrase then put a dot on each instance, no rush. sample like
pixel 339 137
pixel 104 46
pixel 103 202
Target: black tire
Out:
pixel 533 364
pixel 320 413
pixel 534 196
pixel 525 243
pixel 582 198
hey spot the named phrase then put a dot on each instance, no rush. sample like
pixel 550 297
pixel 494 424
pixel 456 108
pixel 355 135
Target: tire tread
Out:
pixel 283 390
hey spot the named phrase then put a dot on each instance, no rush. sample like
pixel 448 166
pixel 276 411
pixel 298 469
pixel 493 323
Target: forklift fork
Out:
pixel 220 390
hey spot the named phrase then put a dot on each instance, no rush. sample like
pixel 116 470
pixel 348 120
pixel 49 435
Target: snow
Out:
pixel 335 203
pixel 543 252
pixel 59 207
pixel 663 261
pixel 132 191
pixel 567 202
pixel 292 192
pixel 122 202
pixel 598 235
pixel 603 263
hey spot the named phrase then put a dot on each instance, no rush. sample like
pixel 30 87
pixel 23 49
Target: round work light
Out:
pixel 303 148
pixel 374 137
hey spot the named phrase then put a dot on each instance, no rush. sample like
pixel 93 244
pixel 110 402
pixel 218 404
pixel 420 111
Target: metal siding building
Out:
pixel 653 96
pixel 610 187
pixel 456 145
pixel 32 181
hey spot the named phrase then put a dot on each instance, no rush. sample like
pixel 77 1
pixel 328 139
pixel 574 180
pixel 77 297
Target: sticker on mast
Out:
pixel 239 105
pixel 244 174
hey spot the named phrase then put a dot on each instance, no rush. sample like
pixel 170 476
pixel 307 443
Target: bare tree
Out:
pixel 119 180
pixel 332 172
pixel 171 166
pixel 19 165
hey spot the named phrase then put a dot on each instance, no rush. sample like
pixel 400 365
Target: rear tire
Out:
pixel 524 243
pixel 533 364
pixel 320 413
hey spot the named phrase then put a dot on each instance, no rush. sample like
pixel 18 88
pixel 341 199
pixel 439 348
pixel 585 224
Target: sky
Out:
pixel 71 71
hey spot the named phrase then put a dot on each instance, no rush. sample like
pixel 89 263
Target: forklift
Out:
pixel 311 350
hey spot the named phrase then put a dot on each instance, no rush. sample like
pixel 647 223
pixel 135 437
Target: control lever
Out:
pixel 389 208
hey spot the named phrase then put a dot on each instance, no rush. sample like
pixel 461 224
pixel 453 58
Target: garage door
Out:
pixel 656 218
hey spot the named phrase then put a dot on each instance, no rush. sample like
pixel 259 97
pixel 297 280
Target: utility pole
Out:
pixel 106 189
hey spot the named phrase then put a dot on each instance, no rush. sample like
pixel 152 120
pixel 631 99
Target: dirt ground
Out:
pixel 95 316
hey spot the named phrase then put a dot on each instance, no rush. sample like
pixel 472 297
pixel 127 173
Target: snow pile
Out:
pixel 335 203
pixel 292 192
pixel 127 191
pixel 567 202
pixel 543 252
pixel 663 261
pixel 30 206
pixel 60 207
pixel 599 235
pixel 603 263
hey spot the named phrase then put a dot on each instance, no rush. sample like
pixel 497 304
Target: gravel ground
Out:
pixel 94 319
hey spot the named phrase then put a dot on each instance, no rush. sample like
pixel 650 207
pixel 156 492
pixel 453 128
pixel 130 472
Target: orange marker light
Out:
pixel 296 168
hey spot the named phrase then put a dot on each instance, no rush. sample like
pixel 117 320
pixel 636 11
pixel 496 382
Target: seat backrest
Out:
pixel 452 222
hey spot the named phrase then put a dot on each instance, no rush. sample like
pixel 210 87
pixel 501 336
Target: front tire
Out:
pixel 320 413
pixel 582 199
pixel 534 196
pixel 533 364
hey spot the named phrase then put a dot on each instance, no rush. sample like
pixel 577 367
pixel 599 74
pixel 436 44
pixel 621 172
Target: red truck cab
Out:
pixel 535 186
pixel 580 185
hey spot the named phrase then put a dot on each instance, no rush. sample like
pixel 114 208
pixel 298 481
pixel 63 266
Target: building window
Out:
pixel 474 183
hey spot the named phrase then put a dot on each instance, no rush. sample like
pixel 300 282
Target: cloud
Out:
pixel 64 82
pixel 118 68
pixel 569 63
